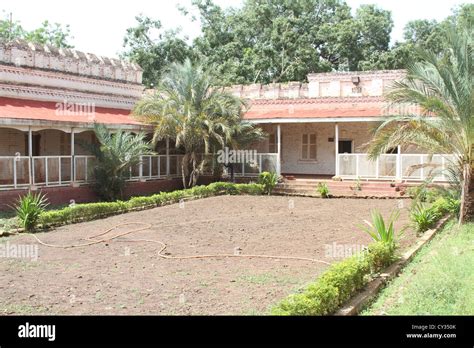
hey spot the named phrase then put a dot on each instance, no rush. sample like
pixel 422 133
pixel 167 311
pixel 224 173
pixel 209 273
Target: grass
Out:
pixel 439 280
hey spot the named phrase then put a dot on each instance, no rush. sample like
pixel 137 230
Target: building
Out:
pixel 320 128
pixel 50 99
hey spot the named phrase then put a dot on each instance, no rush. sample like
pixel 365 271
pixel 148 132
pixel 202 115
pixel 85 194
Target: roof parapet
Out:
pixel 32 55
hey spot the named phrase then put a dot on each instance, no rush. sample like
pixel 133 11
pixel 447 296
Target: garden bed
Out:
pixel 122 277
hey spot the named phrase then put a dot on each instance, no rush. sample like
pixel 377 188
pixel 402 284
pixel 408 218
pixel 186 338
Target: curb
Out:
pixel 354 305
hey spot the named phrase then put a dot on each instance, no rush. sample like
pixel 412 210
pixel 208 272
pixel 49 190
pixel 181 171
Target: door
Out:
pixel 345 146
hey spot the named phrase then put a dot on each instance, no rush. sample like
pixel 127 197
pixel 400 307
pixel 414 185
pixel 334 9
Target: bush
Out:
pixel 424 217
pixel 447 205
pixel 268 181
pixel 323 190
pixel 381 231
pixel 29 208
pixel 90 211
pixel 339 283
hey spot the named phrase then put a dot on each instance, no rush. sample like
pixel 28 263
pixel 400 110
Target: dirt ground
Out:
pixel 124 277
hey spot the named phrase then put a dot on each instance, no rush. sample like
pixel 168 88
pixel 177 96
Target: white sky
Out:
pixel 98 26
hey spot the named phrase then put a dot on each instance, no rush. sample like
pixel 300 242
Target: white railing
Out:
pixel 20 172
pixel 157 167
pixel 15 172
pixel 265 162
pixel 394 166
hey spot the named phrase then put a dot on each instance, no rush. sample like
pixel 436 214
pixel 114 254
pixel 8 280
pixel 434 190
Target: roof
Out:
pixel 331 107
pixel 60 112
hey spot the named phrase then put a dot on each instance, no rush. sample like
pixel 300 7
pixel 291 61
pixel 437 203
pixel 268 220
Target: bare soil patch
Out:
pixel 123 277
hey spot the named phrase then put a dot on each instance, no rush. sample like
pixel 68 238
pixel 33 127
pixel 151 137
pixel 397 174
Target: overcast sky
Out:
pixel 98 26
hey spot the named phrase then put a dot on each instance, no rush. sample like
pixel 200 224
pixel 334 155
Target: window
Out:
pixel 272 144
pixel 308 147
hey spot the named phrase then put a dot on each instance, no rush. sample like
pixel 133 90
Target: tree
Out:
pixel 115 155
pixel 52 34
pixel 442 85
pixel 188 108
pixel 284 40
pixel 154 54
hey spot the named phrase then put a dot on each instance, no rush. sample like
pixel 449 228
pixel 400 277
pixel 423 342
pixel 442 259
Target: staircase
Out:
pixel 368 189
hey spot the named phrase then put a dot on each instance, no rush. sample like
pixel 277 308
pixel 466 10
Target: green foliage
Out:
pixel 446 205
pixel 91 211
pixel 438 281
pixel 154 54
pixel 199 118
pixel 52 34
pixel 382 231
pixel 29 209
pixel 423 217
pixel 440 85
pixel 268 180
pixel 423 193
pixel 336 285
pixel 115 155
pixel 323 190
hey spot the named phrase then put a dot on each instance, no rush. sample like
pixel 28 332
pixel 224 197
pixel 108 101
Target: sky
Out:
pixel 98 26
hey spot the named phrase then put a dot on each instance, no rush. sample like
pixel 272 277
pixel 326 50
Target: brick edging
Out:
pixel 356 303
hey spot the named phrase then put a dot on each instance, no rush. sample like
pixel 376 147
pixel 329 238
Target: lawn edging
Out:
pixel 338 283
pixel 358 302
pixel 97 210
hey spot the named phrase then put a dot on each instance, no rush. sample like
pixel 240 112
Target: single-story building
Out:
pixel 50 99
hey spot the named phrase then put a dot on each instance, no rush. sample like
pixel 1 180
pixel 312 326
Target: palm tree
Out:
pixel 187 108
pixel 115 155
pixel 441 86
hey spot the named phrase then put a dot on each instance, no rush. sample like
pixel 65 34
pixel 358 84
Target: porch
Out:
pixel 325 148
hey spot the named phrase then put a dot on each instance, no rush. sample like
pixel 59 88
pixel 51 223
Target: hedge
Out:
pixel 91 211
pixel 338 284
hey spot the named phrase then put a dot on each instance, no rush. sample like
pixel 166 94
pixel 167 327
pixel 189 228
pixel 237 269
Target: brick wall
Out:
pixel 64 195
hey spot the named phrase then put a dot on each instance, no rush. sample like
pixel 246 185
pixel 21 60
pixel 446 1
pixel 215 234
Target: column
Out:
pixel 399 163
pixel 73 167
pixel 336 146
pixel 278 164
pixel 30 155
pixel 167 156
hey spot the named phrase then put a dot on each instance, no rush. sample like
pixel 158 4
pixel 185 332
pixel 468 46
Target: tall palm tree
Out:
pixel 442 87
pixel 187 108
pixel 115 154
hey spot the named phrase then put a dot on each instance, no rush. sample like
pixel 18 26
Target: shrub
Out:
pixel 90 211
pixel 268 181
pixel 424 217
pixel 444 205
pixel 323 190
pixel 336 285
pixel 29 208
pixel 381 231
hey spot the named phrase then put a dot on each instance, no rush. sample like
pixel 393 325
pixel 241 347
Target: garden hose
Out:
pixel 91 240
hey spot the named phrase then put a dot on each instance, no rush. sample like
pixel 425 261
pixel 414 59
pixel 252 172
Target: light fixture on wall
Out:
pixel 356 80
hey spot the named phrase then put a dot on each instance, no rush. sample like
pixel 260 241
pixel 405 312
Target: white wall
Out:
pixel 291 163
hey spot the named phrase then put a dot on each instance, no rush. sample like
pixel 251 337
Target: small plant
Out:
pixel 382 231
pixel 358 184
pixel 29 209
pixel 268 181
pixel 323 190
pixel 423 217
